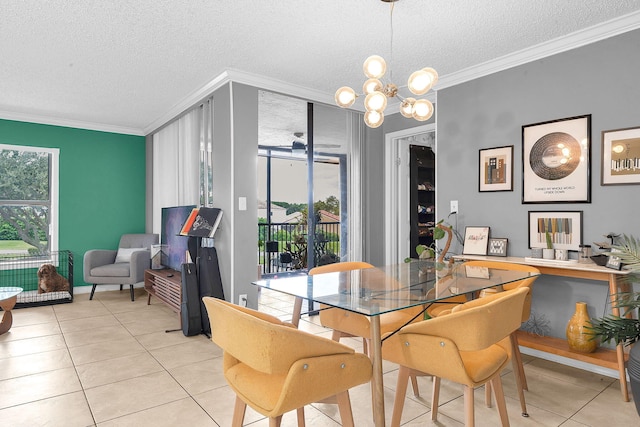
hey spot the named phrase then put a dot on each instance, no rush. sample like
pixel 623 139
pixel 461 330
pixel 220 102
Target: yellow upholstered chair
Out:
pixel 470 346
pixel 275 368
pixel 348 324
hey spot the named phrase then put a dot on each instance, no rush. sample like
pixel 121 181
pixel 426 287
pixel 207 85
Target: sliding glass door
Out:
pixel 303 184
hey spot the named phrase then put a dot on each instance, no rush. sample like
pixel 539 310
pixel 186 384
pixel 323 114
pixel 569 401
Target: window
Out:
pixel 28 201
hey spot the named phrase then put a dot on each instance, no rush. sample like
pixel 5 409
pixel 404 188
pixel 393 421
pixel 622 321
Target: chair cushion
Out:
pixel 124 254
pixel 120 269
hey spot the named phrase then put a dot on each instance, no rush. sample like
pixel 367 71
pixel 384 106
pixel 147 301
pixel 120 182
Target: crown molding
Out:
pixel 574 40
pixel 57 121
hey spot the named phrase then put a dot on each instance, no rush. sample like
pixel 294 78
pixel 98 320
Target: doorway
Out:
pixel 398 186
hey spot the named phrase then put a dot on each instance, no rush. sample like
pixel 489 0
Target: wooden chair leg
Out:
pixel 414 385
pixel 238 413
pixel 519 375
pixel 365 346
pixel 344 406
pixel 401 393
pixel 469 418
pixel 336 335
pixel 517 358
pixel 435 398
pixel 487 394
pixel 500 402
pixel 275 422
pixel 300 415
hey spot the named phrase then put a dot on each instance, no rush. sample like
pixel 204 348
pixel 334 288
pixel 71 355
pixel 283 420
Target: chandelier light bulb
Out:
pixel 373 119
pixel 345 97
pixel 406 108
pixel 422 80
pixel 422 110
pixel 375 101
pixel 374 67
pixel 371 85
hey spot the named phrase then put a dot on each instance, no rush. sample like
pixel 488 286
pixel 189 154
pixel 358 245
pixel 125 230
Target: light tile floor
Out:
pixel 109 362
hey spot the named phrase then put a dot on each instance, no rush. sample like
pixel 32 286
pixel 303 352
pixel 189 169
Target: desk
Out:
pixel 591 271
pixel 8 298
pixel 375 291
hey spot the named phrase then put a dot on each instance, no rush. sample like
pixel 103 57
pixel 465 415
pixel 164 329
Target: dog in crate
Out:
pixel 49 280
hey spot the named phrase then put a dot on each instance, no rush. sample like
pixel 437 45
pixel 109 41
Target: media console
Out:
pixel 165 285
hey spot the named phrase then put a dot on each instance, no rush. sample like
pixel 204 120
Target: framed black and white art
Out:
pixel 556 157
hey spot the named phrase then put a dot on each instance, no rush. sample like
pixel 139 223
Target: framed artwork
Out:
pixel 564 228
pixel 621 156
pixel 476 272
pixel 496 169
pixel 497 247
pixel 476 240
pixel 556 157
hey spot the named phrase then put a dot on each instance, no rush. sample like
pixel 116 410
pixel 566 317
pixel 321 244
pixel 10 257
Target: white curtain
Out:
pixel 176 172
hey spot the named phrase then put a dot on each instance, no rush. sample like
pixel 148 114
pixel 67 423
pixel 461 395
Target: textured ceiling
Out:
pixel 127 64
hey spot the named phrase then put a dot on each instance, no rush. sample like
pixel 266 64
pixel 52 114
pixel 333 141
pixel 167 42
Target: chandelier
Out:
pixel 377 92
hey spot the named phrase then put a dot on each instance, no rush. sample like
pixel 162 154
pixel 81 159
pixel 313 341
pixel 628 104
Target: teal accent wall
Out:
pixel 101 184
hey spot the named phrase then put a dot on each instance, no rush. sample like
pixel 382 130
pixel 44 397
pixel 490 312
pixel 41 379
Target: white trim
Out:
pixel 232 211
pixel 589 367
pixel 395 203
pixel 57 121
pixel 574 40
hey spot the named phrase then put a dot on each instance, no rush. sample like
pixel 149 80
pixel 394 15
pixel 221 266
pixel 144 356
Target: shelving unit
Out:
pixel 422 196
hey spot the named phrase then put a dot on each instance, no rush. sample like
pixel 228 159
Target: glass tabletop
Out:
pixel 9 292
pixel 374 291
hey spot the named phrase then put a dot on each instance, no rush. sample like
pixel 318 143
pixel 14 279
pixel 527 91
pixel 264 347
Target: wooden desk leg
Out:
pixel 377 388
pixel 613 290
pixel 297 309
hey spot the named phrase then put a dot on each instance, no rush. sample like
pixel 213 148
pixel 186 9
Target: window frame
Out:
pixel 54 169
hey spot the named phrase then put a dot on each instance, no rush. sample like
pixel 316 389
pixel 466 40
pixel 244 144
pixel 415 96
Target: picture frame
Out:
pixel 476 240
pixel 620 157
pixel 496 169
pixel 497 247
pixel 476 272
pixel 565 229
pixel 614 261
pixel 556 161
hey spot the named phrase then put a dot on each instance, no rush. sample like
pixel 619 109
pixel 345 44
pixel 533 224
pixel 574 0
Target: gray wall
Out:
pixel 598 79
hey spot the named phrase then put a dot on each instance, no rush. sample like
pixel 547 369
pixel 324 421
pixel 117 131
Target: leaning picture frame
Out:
pixel 564 228
pixel 556 161
pixel 496 169
pixel 476 240
pixel 620 157
pixel 497 247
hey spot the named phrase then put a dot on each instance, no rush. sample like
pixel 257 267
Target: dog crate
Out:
pixel 22 271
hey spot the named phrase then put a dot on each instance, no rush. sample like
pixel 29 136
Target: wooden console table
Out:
pixel 612 359
pixel 166 285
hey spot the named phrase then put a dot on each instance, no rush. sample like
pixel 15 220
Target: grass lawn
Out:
pixel 14 245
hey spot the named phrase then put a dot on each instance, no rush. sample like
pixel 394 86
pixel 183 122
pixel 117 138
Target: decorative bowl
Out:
pixel 600 259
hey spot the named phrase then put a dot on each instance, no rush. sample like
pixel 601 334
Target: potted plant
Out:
pixel 620 329
pixel 547 253
pixel 428 252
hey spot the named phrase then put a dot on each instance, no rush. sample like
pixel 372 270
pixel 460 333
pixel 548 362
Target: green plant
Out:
pixel 549 242
pixel 621 329
pixel 440 230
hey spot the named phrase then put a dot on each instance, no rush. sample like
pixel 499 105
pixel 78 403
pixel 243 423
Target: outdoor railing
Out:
pixel 283 247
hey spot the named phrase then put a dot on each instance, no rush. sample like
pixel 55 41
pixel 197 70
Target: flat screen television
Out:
pixel 175 246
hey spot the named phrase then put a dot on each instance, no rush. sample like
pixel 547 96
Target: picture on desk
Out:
pixel 476 240
pixel 562 228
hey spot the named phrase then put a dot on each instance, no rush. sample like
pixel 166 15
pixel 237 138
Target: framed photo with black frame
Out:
pixel 564 228
pixel 556 161
pixel 621 156
pixel 496 169
pixel 497 247
pixel 476 240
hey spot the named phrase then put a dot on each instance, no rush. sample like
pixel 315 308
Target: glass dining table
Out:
pixel 375 291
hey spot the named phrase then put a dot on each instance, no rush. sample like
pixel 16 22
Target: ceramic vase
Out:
pixel 578 336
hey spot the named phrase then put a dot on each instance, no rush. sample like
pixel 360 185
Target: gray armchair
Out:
pixel 124 266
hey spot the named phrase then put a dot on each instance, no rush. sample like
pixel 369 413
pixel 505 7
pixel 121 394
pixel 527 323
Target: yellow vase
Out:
pixel 578 336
